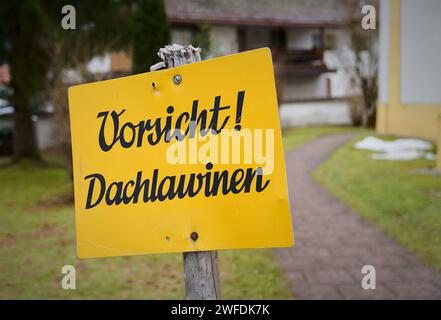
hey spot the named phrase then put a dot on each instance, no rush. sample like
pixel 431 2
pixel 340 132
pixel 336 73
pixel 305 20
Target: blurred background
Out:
pixel 352 77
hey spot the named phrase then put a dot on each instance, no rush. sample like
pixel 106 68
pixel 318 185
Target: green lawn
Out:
pixel 295 137
pixel 403 203
pixel 37 239
pixel 37 230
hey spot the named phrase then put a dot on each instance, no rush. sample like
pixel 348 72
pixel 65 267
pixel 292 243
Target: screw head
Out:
pixel 177 79
pixel 194 236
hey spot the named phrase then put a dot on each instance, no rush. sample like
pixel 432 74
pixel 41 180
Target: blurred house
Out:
pixel 306 38
pixel 410 64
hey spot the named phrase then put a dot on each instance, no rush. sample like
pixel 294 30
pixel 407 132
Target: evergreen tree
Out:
pixel 30 33
pixel 150 32
pixel 202 39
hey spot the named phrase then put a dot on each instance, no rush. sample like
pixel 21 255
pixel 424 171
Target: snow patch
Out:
pixel 399 149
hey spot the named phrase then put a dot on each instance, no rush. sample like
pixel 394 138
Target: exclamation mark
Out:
pixel 240 96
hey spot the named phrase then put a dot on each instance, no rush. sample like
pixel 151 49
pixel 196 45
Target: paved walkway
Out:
pixel 333 242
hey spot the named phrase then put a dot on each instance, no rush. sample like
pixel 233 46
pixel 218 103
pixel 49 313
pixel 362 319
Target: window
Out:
pixel 278 39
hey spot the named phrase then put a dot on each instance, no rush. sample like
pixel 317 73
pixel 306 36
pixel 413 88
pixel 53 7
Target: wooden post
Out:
pixel 200 267
pixel 201 275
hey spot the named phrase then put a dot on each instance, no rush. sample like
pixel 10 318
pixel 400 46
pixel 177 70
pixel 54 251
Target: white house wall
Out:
pixel 314 113
pixel 223 40
pixel 315 87
pixel 420 64
pixel 384 52
pixel 181 36
pixel 300 39
pixel 335 59
pixel 304 87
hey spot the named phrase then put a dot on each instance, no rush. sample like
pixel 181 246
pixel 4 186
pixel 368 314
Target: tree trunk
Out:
pixel 58 93
pixel 368 87
pixel 25 139
pixel 24 61
pixel 61 133
pixel 372 116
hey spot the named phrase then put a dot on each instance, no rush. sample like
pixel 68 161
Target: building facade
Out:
pixel 410 64
pixel 308 39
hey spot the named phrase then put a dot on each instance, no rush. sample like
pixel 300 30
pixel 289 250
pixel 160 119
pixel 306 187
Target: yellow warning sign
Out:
pixel 182 159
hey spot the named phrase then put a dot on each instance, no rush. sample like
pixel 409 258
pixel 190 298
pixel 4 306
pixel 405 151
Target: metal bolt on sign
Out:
pixel 177 79
pixel 200 267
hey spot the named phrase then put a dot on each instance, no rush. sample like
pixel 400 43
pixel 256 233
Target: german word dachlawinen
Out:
pixel 154 186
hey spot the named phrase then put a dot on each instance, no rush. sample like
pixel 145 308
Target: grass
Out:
pixel 37 231
pixel 404 204
pixel 37 240
pixel 295 137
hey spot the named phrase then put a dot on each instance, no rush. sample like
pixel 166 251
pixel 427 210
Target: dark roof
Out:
pixel 264 12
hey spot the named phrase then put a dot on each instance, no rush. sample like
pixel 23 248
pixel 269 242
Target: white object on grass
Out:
pixel 399 149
